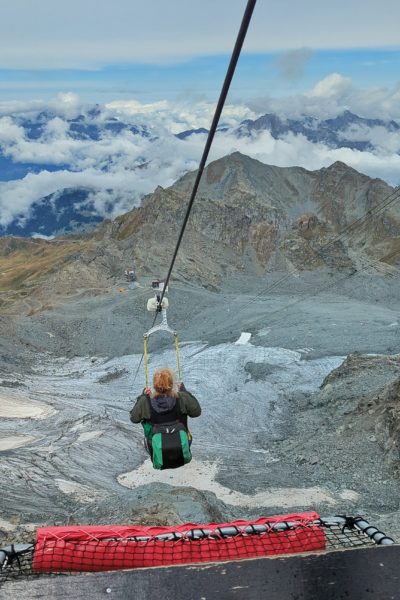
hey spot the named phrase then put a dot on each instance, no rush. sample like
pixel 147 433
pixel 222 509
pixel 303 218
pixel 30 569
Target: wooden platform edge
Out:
pixel 354 574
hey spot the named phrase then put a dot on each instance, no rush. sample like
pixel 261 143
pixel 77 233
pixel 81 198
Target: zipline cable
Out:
pixel 224 92
pixel 228 78
pixel 222 98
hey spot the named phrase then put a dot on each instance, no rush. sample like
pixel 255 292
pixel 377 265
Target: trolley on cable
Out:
pixel 154 305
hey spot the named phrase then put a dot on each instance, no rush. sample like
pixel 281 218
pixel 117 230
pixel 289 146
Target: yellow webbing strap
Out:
pixel 145 361
pixel 177 356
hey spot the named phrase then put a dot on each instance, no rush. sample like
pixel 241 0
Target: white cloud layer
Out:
pixel 333 86
pixel 49 34
pixel 123 167
pixel 65 104
pixel 332 95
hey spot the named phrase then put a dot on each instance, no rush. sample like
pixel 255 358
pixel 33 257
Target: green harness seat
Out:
pixel 167 438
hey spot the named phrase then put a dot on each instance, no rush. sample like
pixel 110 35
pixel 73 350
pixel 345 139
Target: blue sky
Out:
pixel 156 50
pixel 258 74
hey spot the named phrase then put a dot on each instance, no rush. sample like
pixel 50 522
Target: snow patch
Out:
pixel 83 493
pixel 9 442
pixel 89 435
pixel 244 338
pixel 14 407
pixel 202 476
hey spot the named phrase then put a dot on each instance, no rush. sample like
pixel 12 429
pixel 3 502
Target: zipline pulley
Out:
pixel 155 305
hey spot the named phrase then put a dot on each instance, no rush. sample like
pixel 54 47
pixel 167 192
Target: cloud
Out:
pixel 65 104
pixel 332 86
pixel 386 142
pixel 331 96
pixel 296 150
pixel 177 117
pixel 10 133
pixel 38 34
pixel 17 197
pixel 291 64
pixel 40 236
pixel 136 107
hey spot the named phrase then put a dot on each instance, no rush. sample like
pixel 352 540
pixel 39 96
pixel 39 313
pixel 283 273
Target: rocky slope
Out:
pixel 81 461
pixel 366 389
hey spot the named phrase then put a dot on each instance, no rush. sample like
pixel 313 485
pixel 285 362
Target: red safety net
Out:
pixel 107 548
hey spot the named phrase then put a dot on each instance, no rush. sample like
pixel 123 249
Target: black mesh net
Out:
pixel 182 547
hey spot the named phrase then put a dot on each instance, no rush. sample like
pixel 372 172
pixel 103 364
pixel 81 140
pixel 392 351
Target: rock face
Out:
pixel 255 217
pixel 387 410
pixel 366 390
pixel 248 217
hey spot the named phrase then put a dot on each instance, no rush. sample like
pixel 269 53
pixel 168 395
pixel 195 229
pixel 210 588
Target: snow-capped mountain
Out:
pixel 92 124
pixel 66 211
pixel 347 130
pixel 63 171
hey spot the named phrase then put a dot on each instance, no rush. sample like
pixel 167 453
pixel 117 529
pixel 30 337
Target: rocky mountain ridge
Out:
pixel 365 389
pixel 346 130
pixel 259 217
pixel 248 218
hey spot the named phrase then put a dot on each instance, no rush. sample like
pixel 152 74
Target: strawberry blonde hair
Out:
pixel 164 382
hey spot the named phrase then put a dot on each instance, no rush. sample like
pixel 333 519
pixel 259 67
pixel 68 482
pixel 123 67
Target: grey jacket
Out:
pixel 188 405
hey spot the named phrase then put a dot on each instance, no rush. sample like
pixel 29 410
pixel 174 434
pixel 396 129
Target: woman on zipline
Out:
pixel 163 412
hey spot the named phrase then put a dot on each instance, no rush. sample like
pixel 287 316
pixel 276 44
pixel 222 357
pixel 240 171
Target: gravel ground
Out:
pixel 330 315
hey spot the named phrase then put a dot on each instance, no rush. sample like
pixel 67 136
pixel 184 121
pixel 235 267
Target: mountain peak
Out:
pixel 339 165
pixel 342 168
